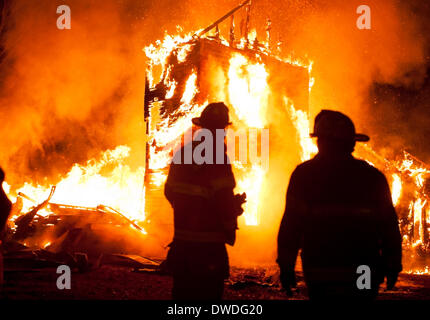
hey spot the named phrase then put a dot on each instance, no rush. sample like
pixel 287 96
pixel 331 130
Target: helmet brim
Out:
pixel 198 122
pixel 359 137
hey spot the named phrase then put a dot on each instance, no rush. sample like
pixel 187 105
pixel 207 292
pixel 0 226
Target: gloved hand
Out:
pixel 239 199
pixel 288 280
pixel 391 280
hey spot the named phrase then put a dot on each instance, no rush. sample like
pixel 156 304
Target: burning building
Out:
pixel 263 91
pixel 243 73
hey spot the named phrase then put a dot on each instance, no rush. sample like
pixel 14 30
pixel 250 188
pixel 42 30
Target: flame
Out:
pixel 415 171
pixel 248 90
pixel 248 94
pixel 170 84
pixel 251 183
pixel 166 135
pixel 396 188
pixel 119 188
pixel 246 84
pixel 425 271
pixel 252 35
pixel 417 208
pixel 190 89
pixel 301 123
pixel 158 178
pixel 157 54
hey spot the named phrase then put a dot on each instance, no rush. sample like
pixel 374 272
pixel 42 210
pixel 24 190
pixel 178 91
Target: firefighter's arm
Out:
pixel 170 187
pixel 168 192
pixel 225 199
pixel 226 202
pixel 290 231
pixel 391 239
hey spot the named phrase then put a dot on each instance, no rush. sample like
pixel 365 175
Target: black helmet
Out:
pixel 214 116
pixel 335 125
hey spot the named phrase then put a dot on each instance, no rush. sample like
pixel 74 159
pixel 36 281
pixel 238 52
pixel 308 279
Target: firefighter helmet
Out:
pixel 335 125
pixel 214 116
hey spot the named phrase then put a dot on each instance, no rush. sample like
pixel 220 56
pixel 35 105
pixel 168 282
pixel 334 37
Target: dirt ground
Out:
pixel 120 283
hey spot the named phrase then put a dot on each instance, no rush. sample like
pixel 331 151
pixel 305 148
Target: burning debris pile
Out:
pixel 73 219
pixel 410 188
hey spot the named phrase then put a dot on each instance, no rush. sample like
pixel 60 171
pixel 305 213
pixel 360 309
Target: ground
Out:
pixel 118 283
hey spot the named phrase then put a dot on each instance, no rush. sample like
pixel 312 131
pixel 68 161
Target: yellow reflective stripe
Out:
pixel 221 183
pixel 188 189
pixel 198 236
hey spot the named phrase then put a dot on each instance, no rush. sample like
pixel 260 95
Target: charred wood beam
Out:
pixel 213 25
pixel 268 32
pixel 23 222
pixel 110 209
pixel 23 195
pixel 248 18
pixel 232 31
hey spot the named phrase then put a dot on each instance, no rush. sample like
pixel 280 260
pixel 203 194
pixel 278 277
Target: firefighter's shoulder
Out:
pixel 304 169
pixel 369 169
pixel 304 166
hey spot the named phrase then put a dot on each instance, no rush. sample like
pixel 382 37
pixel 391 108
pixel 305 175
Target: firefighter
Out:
pixel 5 207
pixel 339 213
pixel 205 212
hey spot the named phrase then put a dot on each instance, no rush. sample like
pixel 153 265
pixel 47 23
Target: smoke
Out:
pixel 348 62
pixel 67 95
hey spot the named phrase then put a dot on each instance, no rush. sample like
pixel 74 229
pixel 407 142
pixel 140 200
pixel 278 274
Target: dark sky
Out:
pixel 399 114
pixel 401 117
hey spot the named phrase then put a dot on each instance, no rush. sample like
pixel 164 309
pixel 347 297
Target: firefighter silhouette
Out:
pixel 5 207
pixel 339 213
pixel 205 214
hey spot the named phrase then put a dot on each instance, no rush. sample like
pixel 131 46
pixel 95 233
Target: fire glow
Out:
pixel 86 186
pixel 246 87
